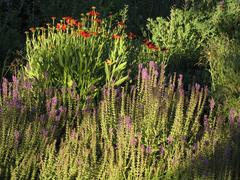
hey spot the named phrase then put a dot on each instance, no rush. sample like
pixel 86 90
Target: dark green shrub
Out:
pixel 184 36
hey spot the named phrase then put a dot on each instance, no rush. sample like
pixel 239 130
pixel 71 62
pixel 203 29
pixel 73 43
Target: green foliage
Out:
pixel 149 132
pixel 64 56
pixel 223 57
pixel 226 19
pixel 184 36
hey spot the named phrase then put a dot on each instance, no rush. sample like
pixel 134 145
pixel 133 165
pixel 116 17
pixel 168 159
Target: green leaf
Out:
pixel 120 81
pixel 120 67
pixel 107 71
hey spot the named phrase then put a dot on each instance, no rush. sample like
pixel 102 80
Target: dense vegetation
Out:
pixel 88 98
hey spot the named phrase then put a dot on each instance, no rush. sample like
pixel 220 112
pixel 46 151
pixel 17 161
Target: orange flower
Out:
pixel 64 27
pixel 93 13
pixel 61 26
pixel 78 24
pixel 94 33
pixel 116 36
pixel 109 62
pixel 97 20
pixel 85 34
pixel 32 29
pixel 58 26
pixel 121 24
pixel 131 36
pixel 150 45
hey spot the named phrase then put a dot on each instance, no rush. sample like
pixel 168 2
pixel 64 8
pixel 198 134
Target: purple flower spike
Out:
pixel 145 75
pixel 195 147
pixel 231 117
pixel 148 150
pixel 140 66
pixel 44 132
pixel 156 73
pixel 211 104
pixel 152 64
pixel 14 78
pixel 27 85
pixel 197 87
pixel 133 142
pixel 206 123
pixel 170 139
pixel 128 122
pixel 161 150
pixel 54 101
pixel 17 136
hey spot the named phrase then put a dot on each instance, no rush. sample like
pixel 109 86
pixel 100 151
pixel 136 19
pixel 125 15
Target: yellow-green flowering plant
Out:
pixel 84 53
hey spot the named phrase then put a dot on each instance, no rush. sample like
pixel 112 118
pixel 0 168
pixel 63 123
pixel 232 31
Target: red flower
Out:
pixel 121 24
pixel 97 20
pixel 79 24
pixel 131 36
pixel 64 27
pixel 93 13
pixel 85 34
pixel 58 26
pixel 61 26
pixel 150 45
pixel 116 36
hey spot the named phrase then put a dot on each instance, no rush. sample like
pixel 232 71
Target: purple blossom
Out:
pixel 145 75
pixel 152 64
pixel 148 149
pixel 54 101
pixel 231 117
pixel 180 80
pixel 195 147
pixel 73 134
pixel 197 87
pixel 5 87
pixel 140 66
pixel 205 89
pixel 59 111
pixel 156 73
pixel 17 136
pixel 211 104
pixel 128 122
pixel 14 78
pixel 161 150
pixel 44 132
pixel 206 123
pixel 133 141
pixel 42 117
pixel 170 139
pixel 27 85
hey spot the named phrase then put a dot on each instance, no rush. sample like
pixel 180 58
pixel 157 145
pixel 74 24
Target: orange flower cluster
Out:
pixel 150 45
pixel 85 34
pixel 63 27
pixel 93 13
pixel 116 36
pixel 131 36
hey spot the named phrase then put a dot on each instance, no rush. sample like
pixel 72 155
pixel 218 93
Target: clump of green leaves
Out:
pixel 184 35
pixel 84 53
